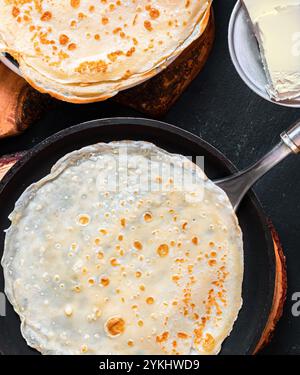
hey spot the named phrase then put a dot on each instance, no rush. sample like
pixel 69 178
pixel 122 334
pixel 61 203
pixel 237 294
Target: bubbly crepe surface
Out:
pixel 88 50
pixel 91 271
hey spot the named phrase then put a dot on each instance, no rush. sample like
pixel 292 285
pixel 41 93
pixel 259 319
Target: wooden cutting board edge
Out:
pixel 280 291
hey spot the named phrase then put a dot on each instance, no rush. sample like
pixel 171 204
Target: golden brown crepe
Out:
pixel 96 262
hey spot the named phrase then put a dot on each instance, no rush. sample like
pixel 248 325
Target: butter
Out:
pixel 277 27
pixel 259 8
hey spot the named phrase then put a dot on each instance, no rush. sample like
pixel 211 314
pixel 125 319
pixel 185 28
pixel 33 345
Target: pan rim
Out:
pixel 172 129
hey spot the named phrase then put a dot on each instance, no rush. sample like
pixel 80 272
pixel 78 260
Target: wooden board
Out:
pixel 280 292
pixel 156 96
pixel 21 105
pixel 7 162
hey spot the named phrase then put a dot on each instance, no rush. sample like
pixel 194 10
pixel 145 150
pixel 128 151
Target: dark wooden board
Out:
pixel 156 96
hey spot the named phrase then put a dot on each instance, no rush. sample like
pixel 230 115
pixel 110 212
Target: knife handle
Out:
pixel 291 137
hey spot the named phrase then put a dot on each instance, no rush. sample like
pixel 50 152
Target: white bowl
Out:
pixel 245 55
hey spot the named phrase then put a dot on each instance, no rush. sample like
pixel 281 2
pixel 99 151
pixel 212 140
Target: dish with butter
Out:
pixel 276 26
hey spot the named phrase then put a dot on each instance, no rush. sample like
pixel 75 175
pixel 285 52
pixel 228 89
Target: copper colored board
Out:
pixel 279 294
pixel 20 104
pixel 156 96
pixel 6 162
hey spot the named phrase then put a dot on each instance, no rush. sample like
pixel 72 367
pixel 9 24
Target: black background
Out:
pixel 223 111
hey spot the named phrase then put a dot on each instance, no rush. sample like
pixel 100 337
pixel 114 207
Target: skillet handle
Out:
pixel 291 137
pixel 236 186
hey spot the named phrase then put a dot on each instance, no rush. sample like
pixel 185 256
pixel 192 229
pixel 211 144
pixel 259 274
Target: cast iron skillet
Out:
pixel 259 278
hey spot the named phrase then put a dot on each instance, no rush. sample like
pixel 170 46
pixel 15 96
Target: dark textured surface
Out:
pixel 223 111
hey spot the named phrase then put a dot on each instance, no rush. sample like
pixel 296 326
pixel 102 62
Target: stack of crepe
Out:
pixel 85 51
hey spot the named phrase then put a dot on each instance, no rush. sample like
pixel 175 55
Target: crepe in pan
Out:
pixel 83 51
pixel 96 262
